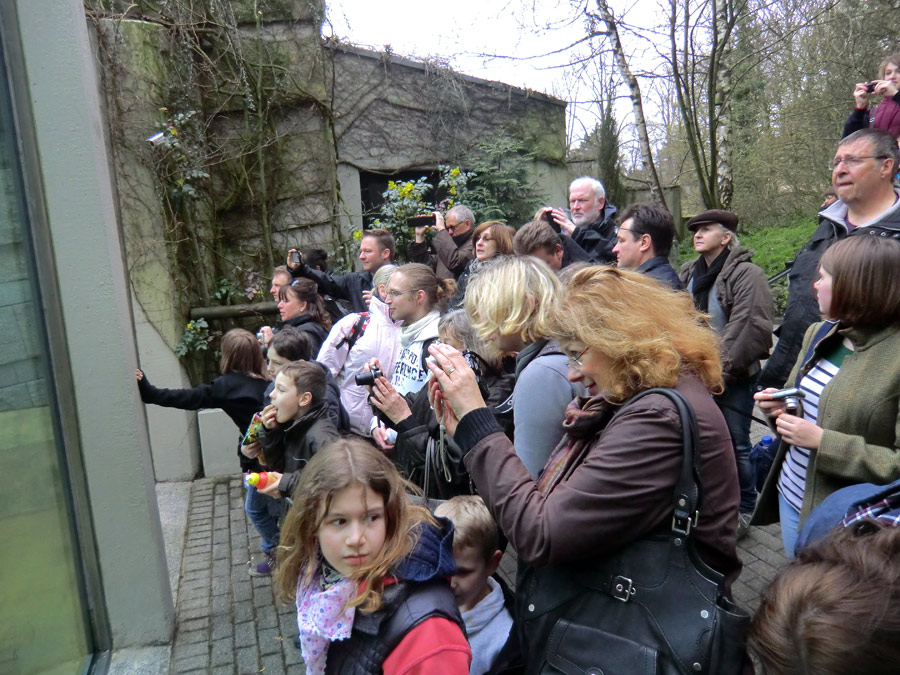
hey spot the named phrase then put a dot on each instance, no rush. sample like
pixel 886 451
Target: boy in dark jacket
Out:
pixel 296 425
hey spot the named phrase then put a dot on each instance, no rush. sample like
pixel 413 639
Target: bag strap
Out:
pixel 687 497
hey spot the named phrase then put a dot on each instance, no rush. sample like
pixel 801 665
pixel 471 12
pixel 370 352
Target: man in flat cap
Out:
pixel 735 294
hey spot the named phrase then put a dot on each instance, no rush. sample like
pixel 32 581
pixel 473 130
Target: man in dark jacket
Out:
pixel 376 248
pixel 865 165
pixel 644 241
pixel 735 293
pixel 591 225
pixel 452 243
pixel 538 240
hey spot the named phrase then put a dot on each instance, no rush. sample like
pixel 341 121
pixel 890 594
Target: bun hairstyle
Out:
pixel 422 278
pixel 306 290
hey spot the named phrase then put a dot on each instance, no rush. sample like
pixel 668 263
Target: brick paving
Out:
pixel 228 623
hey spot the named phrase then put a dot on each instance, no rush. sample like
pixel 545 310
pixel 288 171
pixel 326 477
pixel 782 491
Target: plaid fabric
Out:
pixel 887 510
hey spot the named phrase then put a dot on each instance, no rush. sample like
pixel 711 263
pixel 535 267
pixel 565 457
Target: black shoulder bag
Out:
pixel 653 608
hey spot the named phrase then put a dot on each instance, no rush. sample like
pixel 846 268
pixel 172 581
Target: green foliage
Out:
pixel 500 185
pixel 402 201
pixel 182 161
pixel 772 248
pixel 196 338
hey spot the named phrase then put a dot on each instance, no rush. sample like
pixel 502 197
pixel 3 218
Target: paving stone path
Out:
pixel 228 623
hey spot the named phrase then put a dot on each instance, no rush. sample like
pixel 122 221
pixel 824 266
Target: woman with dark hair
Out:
pixel 490 239
pixel 849 378
pixel 301 307
pixel 611 480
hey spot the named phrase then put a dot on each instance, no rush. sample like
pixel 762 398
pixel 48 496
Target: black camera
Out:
pixel 368 379
pixel 547 216
pixel 422 221
pixel 870 87
pixel 295 257
pixel 793 400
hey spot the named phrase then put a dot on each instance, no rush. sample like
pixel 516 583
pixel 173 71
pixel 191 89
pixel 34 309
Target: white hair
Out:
pixel 596 186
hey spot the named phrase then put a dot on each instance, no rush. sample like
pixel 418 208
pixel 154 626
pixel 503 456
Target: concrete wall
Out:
pixel 88 261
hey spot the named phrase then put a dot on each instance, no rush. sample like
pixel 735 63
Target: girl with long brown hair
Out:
pixel 368 569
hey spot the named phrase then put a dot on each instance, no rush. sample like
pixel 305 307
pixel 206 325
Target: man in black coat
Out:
pixel 591 225
pixel 376 248
pixel 644 241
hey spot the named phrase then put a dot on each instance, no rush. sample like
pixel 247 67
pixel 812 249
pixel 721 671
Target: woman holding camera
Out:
pixel 849 379
pixel 885 115
pixel 610 481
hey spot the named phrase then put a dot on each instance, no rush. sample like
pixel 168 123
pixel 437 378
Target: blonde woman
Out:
pixel 510 303
pixel 611 480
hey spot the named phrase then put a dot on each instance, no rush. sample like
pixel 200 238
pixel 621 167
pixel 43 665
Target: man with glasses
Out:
pixel 644 240
pixel 452 243
pixel 863 175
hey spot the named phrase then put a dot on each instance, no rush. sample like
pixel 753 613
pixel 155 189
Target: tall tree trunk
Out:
pixel 636 101
pixel 724 88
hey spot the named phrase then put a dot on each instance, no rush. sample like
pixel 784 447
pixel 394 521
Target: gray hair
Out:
pixel 596 186
pixel 457 324
pixel 381 277
pixel 463 212
pixel 883 144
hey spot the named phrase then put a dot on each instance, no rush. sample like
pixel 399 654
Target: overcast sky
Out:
pixel 465 31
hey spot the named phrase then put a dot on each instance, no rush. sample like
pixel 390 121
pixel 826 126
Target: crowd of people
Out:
pixel 561 389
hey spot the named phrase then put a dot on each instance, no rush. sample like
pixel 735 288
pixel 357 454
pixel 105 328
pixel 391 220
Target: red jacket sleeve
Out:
pixel 436 646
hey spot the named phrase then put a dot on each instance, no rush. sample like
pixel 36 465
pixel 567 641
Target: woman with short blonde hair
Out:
pixel 511 303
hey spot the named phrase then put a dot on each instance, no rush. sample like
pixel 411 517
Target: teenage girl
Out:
pixel 368 570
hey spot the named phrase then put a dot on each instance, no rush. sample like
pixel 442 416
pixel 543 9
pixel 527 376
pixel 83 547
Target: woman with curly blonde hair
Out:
pixel 511 303
pixel 611 479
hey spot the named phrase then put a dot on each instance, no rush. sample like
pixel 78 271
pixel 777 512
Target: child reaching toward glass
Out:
pixel 484 603
pixel 368 570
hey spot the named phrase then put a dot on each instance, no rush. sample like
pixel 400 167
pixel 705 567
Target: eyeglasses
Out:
pixel 396 294
pixel 575 361
pixel 852 161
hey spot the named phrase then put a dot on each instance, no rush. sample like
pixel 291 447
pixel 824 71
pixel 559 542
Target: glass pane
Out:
pixel 42 619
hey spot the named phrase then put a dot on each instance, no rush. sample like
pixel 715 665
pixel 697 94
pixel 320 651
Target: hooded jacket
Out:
pixel 418 624
pixel 745 325
pixel 380 340
pixel 239 395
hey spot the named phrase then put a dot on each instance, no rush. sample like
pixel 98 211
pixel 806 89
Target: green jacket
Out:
pixel 859 411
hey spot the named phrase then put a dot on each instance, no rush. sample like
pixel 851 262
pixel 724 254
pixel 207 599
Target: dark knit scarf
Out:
pixel 704 277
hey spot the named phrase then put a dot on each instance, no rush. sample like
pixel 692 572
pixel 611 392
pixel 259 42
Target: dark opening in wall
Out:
pixel 373 185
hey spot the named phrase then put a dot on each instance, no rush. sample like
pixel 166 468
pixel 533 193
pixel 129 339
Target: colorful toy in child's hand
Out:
pixel 252 434
pixel 259 480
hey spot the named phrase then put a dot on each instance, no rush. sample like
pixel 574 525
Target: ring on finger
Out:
pixel 450 370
